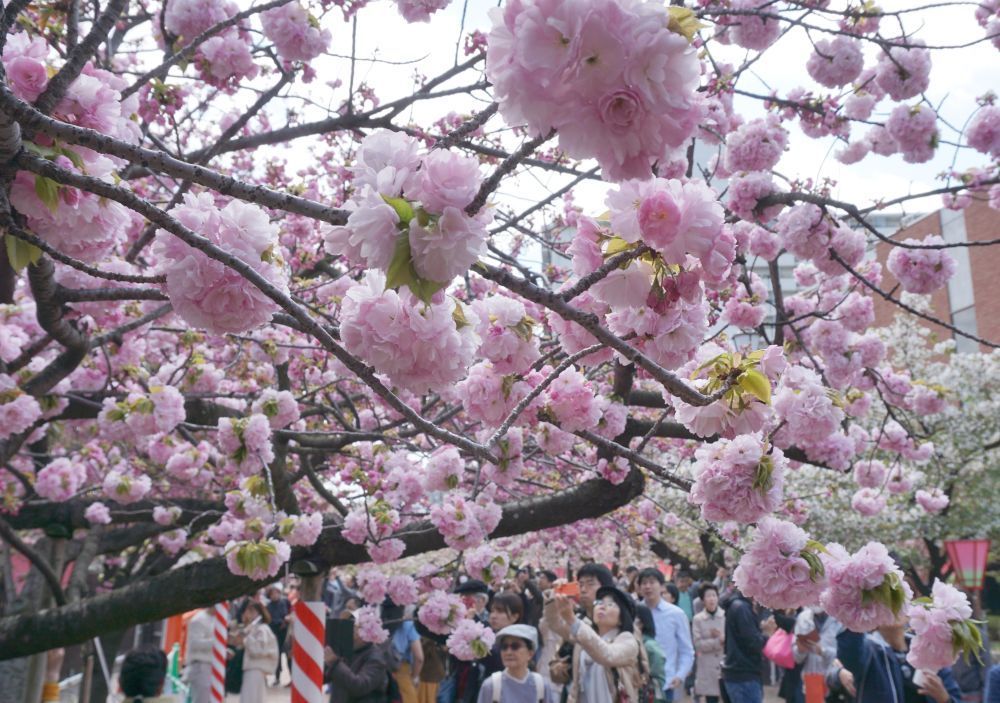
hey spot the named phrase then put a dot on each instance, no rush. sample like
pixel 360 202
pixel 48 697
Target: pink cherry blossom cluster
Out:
pixel 933 501
pixel 206 293
pixel 279 407
pixel 988 17
pixel 835 62
pixel 126 486
pixel 419 199
pixel 444 469
pixel 301 530
pixel 420 10
pixel 296 34
pixel 470 640
pixel 78 223
pixel 402 589
pixel 441 612
pixel 463 523
pixel 808 414
pixel 420 347
pixel 166 516
pixel 372 584
pixel 489 396
pixel 60 479
pixel 868 501
pixel 246 441
pixel 773 570
pixel 375 522
pixel 570 400
pixel 189 18
pixel 608 75
pixel 368 624
pixel 143 414
pixel 487 564
pixel 97 514
pixel 257 559
pixel 756 146
pixel 851 576
pixel 754 30
pixel 506 334
pixel 933 645
pixel 921 270
pixel 903 72
pixel 914 129
pixel 18 410
pixel 735 479
pixel 173 541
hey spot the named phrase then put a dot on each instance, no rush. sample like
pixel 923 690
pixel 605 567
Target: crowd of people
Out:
pixel 601 638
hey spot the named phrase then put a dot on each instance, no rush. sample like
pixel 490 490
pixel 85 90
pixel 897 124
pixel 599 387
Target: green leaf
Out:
pixel 756 384
pixel 402 208
pixel 763 480
pixel 47 191
pixel 21 253
pixel 402 273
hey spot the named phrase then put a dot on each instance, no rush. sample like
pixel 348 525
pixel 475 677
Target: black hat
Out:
pixel 625 605
pixel 472 586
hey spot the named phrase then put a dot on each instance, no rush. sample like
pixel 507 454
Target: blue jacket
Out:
pixel 881 674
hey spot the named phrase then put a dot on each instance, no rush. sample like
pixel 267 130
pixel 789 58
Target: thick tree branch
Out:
pixel 207 582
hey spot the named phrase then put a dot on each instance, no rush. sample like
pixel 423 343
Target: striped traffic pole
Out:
pixel 219 642
pixel 308 638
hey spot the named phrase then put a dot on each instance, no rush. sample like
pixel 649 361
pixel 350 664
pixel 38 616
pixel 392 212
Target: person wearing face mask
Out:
pixel 516 683
pixel 708 632
pixel 605 661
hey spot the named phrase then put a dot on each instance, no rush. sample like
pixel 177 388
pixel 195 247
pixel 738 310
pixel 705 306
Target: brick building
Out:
pixel 971 301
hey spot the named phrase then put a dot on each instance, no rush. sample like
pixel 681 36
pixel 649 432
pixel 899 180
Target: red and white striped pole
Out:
pixel 308 638
pixel 221 636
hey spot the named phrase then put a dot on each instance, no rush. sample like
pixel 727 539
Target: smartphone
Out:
pixel 570 589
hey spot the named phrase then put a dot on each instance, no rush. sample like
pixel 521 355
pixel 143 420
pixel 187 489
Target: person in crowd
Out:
pixel 790 687
pixel 744 647
pixel 992 692
pixel 546 580
pixel 408 649
pixel 505 609
pixel 673 633
pixel 198 658
pixel 433 671
pixel 516 683
pixel 815 644
pixel 531 596
pixel 53 674
pixel 685 596
pixel 335 594
pixel 590 577
pixel 260 652
pixel 363 679
pixel 645 628
pixel 873 668
pixel 476 597
pixel 605 661
pixel 970 671
pixel 142 675
pixel 709 635
pixel 278 610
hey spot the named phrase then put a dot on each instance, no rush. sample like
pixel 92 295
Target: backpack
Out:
pixel 496 681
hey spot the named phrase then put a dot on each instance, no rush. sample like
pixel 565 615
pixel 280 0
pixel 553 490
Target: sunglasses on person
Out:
pixel 512 645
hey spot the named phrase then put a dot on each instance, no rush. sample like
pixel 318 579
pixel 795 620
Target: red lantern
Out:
pixel 968 559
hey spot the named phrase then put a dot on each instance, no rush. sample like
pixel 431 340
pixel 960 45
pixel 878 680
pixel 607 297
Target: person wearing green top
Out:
pixel 645 625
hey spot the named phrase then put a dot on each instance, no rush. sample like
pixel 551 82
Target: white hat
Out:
pixel 524 632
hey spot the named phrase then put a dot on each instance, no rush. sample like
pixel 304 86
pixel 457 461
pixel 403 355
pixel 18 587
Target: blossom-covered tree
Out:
pixel 258 310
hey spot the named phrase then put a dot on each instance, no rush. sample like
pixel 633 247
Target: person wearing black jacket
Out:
pixel 744 650
pixel 363 679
